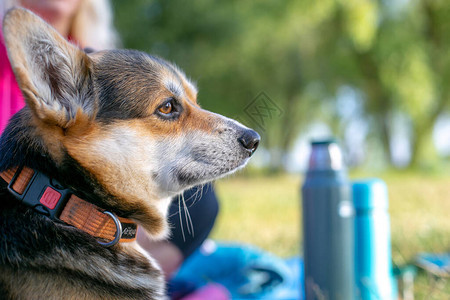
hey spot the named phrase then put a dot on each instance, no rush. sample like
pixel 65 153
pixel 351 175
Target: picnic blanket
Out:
pixel 245 271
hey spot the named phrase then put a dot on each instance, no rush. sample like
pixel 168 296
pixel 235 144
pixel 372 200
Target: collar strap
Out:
pixel 48 197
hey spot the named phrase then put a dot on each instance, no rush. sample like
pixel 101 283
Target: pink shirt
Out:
pixel 11 99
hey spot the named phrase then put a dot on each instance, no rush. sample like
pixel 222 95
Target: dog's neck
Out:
pixel 20 145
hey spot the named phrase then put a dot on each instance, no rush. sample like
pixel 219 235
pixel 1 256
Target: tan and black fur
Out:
pixel 98 123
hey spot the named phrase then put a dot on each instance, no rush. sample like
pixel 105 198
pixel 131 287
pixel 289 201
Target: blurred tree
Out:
pixel 299 54
pixel 403 65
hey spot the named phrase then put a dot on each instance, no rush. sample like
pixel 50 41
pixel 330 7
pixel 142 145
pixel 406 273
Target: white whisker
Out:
pixel 181 219
pixel 189 224
pixel 195 195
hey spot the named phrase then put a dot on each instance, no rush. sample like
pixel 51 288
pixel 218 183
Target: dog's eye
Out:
pixel 166 108
pixel 169 109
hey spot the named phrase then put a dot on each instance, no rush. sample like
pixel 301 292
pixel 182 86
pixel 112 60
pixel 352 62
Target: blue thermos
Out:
pixel 373 266
pixel 328 226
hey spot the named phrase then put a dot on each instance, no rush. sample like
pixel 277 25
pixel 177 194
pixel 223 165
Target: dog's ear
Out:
pixel 54 75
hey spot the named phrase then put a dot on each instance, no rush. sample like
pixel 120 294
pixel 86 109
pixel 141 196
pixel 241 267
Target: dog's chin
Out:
pixel 188 180
pixel 184 179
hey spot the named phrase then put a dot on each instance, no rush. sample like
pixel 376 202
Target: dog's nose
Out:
pixel 250 140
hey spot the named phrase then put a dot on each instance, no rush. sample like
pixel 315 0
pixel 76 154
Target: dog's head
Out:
pixel 129 120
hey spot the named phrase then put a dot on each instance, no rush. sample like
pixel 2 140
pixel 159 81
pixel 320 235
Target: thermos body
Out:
pixel 328 226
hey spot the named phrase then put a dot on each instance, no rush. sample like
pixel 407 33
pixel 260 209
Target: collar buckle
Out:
pixel 45 195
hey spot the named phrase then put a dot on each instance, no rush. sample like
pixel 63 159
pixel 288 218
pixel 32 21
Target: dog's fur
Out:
pixel 97 123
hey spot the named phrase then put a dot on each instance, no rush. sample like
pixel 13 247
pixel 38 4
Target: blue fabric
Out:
pixel 436 263
pixel 247 272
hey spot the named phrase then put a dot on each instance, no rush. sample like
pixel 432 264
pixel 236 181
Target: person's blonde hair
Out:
pixel 92 24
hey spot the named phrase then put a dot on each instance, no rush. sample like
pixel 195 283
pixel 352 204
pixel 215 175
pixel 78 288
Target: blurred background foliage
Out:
pixel 376 70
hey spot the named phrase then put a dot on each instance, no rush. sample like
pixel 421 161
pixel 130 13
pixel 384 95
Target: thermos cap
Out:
pixel 325 155
pixel 369 194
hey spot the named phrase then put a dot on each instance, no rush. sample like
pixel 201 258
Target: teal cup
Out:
pixel 373 263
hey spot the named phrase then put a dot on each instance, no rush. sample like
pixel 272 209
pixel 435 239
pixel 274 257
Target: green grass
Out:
pixel 262 211
pixel 266 212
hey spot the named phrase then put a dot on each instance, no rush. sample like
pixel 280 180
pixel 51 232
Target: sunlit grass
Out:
pixel 263 211
pixel 266 212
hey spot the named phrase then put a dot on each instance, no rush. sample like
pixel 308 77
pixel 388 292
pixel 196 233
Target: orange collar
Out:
pixel 48 197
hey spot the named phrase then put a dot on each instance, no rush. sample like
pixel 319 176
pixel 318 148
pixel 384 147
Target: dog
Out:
pixel 105 140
